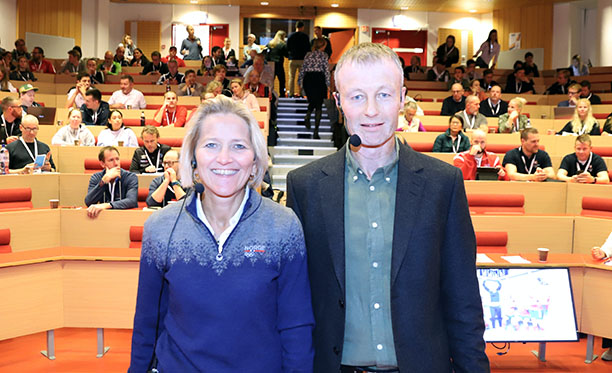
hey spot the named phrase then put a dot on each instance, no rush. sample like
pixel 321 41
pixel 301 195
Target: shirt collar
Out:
pixel 354 168
pixel 233 220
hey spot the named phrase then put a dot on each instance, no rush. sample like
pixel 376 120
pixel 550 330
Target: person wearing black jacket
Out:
pixel 448 53
pixel 493 106
pixel 454 103
pixel 10 120
pixel 585 92
pixel 156 66
pixel 318 35
pixel 167 187
pixel 277 52
pixel 298 44
pixel 520 83
pixel 95 111
pixel 562 84
pixel 149 157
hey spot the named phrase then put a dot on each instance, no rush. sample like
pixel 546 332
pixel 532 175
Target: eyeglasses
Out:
pixel 572 93
pixel 30 129
pixel 169 163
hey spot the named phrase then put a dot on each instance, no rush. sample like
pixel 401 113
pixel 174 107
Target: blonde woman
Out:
pixel 408 122
pixel 74 133
pixel 242 95
pixel 578 68
pixel 583 121
pixel 278 52
pixel 129 46
pixel 513 120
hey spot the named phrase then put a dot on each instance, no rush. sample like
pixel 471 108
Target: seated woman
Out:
pixel 577 68
pixel 206 69
pixel 170 114
pixel 583 121
pixel 453 140
pixel 117 132
pixel 139 59
pixel 513 120
pixel 5 85
pixel 74 133
pixel 22 72
pixel 408 122
pixel 244 96
pixel 245 283
pixel 475 90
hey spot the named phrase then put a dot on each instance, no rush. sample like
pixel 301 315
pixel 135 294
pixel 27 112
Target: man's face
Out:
pixel 111 159
pixel 27 98
pixel 220 75
pixel 36 55
pixel 532 144
pixel 126 86
pixel 479 140
pixel 458 74
pixel 85 82
pixel 108 58
pixel 171 161
pixel 562 79
pixel 29 130
pixel 21 47
pixel 529 59
pixel 91 103
pixel 318 32
pixel 120 53
pixel 172 52
pixel 583 150
pixel 190 79
pixel 218 52
pixel 254 77
pixel 519 75
pixel 457 91
pixel 573 93
pixel 495 93
pixel 155 59
pixel 15 109
pixel 371 106
pixel 91 66
pixel 472 107
pixel 73 59
pixel 173 67
pixel 470 68
pixel 150 142
pixel 585 91
pixel 488 78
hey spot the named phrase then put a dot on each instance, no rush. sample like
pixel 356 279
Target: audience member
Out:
pixel 5 84
pixel 513 120
pixel 217 55
pixel 415 67
pixel 314 80
pixel 20 50
pixel 129 48
pixel 604 253
pixel 520 83
pixel 173 76
pixel 214 88
pixel 156 66
pixel 531 69
pixel 95 76
pixel 408 122
pixel 455 102
pixel 438 72
pixel 111 188
pixel 277 52
pixel 170 114
pixel 167 187
pixel 561 85
pixel 22 71
pixel 76 95
pixel 191 47
pixel 11 120
pixel 298 44
pixel 478 156
pixel 607 128
pixel 120 57
pixel 242 95
pixel 487 82
pixel 256 87
pixel 318 34
pixel 219 75
pixel 190 87
pixel 149 157
pixel 585 92
pixel 527 162
pixel 74 133
pixel 227 49
pixel 139 59
pixel 266 76
pixel 472 119
pixel 577 68
pixel 95 111
pixel 453 140
pixel 206 68
pixel 583 121
pixel 23 153
pixel 573 93
pixel 127 97
pixel 448 53
pixel 488 53
pixel 250 45
pixel 172 55
pixel 27 95
pixel 470 70
pixel 476 90
pixel 116 132
pixel 494 106
pixel 458 78
pixel 109 66
pixel 39 64
pixel 583 166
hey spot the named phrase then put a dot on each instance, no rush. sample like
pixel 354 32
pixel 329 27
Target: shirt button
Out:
pixel 372 188
pixel 360 172
pixel 374 225
pixel 379 347
pixel 355 178
pixel 376 306
pixel 375 264
pixel 388 179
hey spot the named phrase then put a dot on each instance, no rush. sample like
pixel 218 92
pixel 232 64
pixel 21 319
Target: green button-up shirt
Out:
pixel 369 210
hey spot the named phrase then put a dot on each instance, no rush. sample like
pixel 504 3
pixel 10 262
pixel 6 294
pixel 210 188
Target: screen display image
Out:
pixel 527 304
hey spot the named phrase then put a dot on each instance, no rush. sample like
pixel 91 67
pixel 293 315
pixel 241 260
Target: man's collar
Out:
pixel 355 168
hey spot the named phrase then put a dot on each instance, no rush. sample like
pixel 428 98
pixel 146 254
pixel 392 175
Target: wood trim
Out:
pixel 50 17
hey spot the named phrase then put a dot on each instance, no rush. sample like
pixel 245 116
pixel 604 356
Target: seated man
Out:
pixel 266 76
pixel 76 95
pixel 190 87
pixel 458 78
pixel 166 187
pixel 109 66
pixel 217 56
pixel 573 95
pixel 120 56
pixel 487 82
pixel 39 64
pixel 520 83
pixel 172 56
pixel 71 67
pixel 585 92
pixel 583 166
pixel 438 72
pixel 494 106
pixel 469 160
pixel 472 119
pixel 256 87
pixel 27 95
pixel 527 162
pixel 111 188
pixel 173 76
pixel 454 103
pixel 127 97
pixel 10 129
pixel 156 66
pixel 23 153
pixel 562 84
pixel 148 158
pixel 95 111
pixel 95 76
pixel 531 69
pixel 470 70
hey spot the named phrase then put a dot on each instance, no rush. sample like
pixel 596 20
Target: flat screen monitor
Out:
pixel 527 305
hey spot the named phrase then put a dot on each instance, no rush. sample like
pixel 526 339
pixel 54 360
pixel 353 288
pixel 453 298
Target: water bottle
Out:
pixel 4 160
pixel 142 119
pixel 168 88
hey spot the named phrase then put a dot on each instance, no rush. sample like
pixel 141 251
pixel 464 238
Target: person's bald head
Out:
pixel 472 105
pixel 479 137
pixel 171 160
pixel 29 127
pixel 457 91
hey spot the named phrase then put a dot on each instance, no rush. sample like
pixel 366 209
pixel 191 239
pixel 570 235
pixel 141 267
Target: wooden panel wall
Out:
pixel 148 35
pixel 535 23
pixel 50 17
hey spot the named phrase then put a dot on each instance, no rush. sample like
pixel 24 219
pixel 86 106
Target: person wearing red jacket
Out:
pixel 170 114
pixel 477 156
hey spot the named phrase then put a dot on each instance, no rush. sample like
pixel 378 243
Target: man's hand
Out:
pixel 597 253
pixel 475 149
pixel 585 178
pixel 94 210
pixel 540 175
pixel 10 139
pixel 111 174
pixel 151 169
pixel 501 172
pixel 153 73
pixel 170 175
pixel 573 101
pixel 173 81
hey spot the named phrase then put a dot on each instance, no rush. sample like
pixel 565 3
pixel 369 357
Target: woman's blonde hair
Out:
pixel 278 38
pixel 74 109
pixel 222 105
pixel 520 102
pixel 588 123
pixel 212 85
pixel 5 79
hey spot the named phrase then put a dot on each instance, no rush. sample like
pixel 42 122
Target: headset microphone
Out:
pixel 355 140
pixel 199 188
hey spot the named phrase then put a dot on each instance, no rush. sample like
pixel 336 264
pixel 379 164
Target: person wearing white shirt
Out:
pixel 116 132
pixel 127 97
pixel 244 96
pixel 76 96
pixel 74 133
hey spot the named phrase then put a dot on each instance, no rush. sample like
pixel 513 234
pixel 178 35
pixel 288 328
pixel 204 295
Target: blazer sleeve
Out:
pixel 135 165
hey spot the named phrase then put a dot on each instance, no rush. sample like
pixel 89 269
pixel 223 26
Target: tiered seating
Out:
pixel 136 237
pixel 496 203
pixel 596 206
pixel 15 199
pixel 5 241
pixel 492 242
pixel 92 165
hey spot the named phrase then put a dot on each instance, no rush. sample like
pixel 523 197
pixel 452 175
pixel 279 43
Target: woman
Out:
pixel 216 292
pixel 7 59
pixel 170 114
pixel 513 120
pixel 117 132
pixel 408 122
pixel 139 59
pixel 206 69
pixel 448 53
pixel 5 85
pixel 476 90
pixel 578 68
pixel 314 80
pixel 250 45
pixel 278 52
pixel 453 140
pixel 214 87
pixel 244 96
pixel 191 47
pixel 23 71
pixel 227 49
pixel 489 52
pixel 74 133
pixel 129 46
pixel 583 121
pixel 219 72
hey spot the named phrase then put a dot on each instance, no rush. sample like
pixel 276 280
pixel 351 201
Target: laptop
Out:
pixel 564 112
pixel 486 173
pixel 45 115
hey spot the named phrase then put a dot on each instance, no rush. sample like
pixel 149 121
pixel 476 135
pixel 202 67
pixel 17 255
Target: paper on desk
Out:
pixel 515 259
pixel 483 258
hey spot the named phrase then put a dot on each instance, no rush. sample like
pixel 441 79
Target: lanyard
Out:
pixel 519 85
pixel 456 150
pixel 38 68
pixel 525 161
pixel 4 123
pixel 479 160
pixel 448 51
pixel 149 159
pixel 494 109
pixel 111 188
pixel 582 130
pixel 22 77
pixel 465 115
pixel 168 122
pixel 78 133
pixel 438 75
pixel 586 167
pixel 33 156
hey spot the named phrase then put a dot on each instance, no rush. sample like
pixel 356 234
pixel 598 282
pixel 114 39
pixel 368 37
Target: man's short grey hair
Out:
pixel 222 105
pixel 29 118
pixel 470 98
pixel 368 54
pixel 479 132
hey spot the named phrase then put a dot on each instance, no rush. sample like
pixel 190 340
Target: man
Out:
pixel 487 82
pixel 318 33
pixel 11 120
pixel 458 78
pixel 494 106
pixel 297 46
pixel 39 64
pixel 266 76
pixel 20 50
pixel 448 52
pixel 470 70
pixel 167 187
pixel 227 49
pixel 438 72
pixel 120 57
pixel 520 83
pixel 527 162
pixel 217 56
pixel 148 158
pixel 109 66
pixel 126 96
pixel 172 55
pixel 76 95
pixel 111 188
pixel 71 67
pixel 455 102
pixel 531 69
pixel 256 87
pixel 95 76
pixel 390 245
pixel 173 76
pixel 27 95
pixel 23 152
pixel 573 95
pixel 472 119
pixel 156 66
pixel 583 166
pixel 585 92
pixel 469 160
pixel 95 111
pixel 190 87
pixel 561 85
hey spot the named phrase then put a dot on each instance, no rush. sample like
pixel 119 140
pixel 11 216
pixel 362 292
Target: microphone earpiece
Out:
pixel 199 188
pixel 355 140
pixel 194 164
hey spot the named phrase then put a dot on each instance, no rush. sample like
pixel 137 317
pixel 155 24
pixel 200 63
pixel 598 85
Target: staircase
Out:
pixel 296 147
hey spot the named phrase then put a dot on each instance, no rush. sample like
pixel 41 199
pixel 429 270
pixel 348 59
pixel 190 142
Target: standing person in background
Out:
pixel 488 52
pixel 227 49
pixel 191 47
pixel 246 51
pixel 278 52
pixel 318 33
pixel 129 46
pixel 448 53
pixel 314 79
pixel 298 45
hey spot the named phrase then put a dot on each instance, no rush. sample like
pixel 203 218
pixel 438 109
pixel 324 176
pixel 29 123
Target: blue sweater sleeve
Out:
pixel 94 190
pixel 129 184
pixel 295 317
pixel 152 188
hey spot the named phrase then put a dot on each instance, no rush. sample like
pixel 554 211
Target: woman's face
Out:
pixel 218 91
pixel 208 62
pixel 171 99
pixel 137 54
pixel 476 86
pixel 250 40
pixel 8 58
pixel 236 89
pixel 75 119
pixel 409 114
pixel 575 62
pixel 494 37
pixel 583 110
pixel 128 40
pixel 455 125
pixel 224 155
pixel 23 63
pixel 116 121
pixel 512 107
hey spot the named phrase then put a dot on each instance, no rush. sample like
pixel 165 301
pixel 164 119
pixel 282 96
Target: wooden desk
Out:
pixel 44 186
pixel 575 192
pixel 32 229
pixel 589 232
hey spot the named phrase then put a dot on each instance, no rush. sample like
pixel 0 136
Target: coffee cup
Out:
pixel 129 107
pixel 542 254
pixel 77 142
pixel 54 203
pixel 120 143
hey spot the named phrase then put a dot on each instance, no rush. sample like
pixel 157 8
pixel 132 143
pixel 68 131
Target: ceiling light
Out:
pixel 472 11
pixel 404 8
pixel 264 3
pixel 334 5
pixel 193 1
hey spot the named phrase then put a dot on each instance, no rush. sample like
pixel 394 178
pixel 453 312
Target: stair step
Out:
pixel 303 135
pixel 293 159
pixel 304 142
pixel 301 128
pixel 301 150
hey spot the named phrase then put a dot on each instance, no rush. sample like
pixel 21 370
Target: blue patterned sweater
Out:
pixel 249 312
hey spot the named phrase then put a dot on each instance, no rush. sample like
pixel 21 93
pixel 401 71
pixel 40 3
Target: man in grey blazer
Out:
pixel 391 247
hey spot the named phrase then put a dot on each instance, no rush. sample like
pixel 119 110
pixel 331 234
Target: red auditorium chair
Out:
pixel 492 242
pixel 135 237
pixel 135 122
pixel 602 151
pixel 421 146
pixel 174 142
pixel 143 193
pixel 596 207
pixel 496 203
pixel 16 199
pixel 5 241
pixel 92 165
